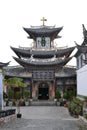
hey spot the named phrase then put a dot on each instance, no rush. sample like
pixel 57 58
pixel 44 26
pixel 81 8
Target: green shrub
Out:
pixel 10 93
pixel 85 116
pixel 57 94
pixel 69 95
pixel 76 107
pixel 5 95
pixel 18 95
pixel 26 94
pixel 85 98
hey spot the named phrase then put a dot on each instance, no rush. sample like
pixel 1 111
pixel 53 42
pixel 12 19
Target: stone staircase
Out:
pixel 43 103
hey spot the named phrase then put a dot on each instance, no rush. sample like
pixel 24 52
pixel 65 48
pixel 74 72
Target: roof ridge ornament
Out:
pixel 84 29
pixel 43 20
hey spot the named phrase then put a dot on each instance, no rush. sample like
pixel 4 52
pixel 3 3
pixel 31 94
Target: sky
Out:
pixel 16 14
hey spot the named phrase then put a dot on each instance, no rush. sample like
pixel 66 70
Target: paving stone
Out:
pixel 43 118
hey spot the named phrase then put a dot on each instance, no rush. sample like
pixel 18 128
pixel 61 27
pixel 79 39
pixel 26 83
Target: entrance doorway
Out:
pixel 43 92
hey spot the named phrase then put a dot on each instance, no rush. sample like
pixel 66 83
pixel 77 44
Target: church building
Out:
pixel 43 66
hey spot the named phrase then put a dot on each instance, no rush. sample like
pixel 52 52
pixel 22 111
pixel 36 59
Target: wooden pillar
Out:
pixel 34 91
pixel 52 90
pixel 53 94
pixel 31 85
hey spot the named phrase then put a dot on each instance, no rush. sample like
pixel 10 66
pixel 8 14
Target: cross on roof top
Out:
pixel 43 20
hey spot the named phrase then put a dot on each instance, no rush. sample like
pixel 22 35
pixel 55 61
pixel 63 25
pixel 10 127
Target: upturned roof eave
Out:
pixel 24 62
pixel 21 52
pixel 4 64
pixel 81 49
pixel 42 31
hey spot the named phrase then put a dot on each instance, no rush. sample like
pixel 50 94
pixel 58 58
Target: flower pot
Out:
pixel 65 105
pixel 26 103
pixel 58 103
pixel 19 115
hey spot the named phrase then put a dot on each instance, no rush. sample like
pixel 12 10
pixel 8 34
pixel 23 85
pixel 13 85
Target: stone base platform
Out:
pixel 43 103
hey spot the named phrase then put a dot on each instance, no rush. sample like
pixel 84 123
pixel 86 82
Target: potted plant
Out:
pixel 68 96
pixel 16 82
pixel 26 96
pixel 18 97
pixel 57 96
pixel 75 107
pixel 10 96
pixel 5 97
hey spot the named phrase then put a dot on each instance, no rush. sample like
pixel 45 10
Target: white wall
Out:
pixel 82 81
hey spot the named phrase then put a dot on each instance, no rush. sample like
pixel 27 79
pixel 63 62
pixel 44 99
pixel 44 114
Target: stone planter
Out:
pixel 58 103
pixel 4 103
pixel 26 103
pixel 10 103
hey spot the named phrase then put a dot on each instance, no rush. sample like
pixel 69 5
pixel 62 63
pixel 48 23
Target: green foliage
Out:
pixel 85 98
pixel 57 94
pixel 10 93
pixel 18 95
pixel 26 94
pixel 83 126
pixel 69 95
pixel 85 116
pixel 16 82
pixel 5 95
pixel 75 107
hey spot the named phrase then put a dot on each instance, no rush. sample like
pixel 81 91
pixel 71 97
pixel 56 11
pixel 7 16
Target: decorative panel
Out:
pixel 43 75
pixel 43 42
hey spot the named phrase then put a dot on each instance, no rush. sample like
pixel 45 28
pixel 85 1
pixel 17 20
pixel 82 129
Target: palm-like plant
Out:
pixel 15 82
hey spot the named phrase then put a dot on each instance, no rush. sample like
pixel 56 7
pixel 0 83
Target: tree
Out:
pixel 14 82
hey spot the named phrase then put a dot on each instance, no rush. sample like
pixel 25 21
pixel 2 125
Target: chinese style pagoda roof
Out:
pixel 18 71
pixel 45 62
pixel 66 71
pixel 43 31
pixel 43 53
pixel 3 64
pixel 81 49
pixel 20 52
pixel 64 52
pixel 85 35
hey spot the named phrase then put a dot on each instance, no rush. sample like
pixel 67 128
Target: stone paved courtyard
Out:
pixel 43 118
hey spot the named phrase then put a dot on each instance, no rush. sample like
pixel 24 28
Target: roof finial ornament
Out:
pixel 84 29
pixel 43 20
pixel 84 32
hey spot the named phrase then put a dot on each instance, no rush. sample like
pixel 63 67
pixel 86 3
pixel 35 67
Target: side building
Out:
pixel 43 66
pixel 81 57
pixel 2 87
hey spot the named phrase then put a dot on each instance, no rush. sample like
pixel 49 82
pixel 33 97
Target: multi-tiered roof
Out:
pixel 42 56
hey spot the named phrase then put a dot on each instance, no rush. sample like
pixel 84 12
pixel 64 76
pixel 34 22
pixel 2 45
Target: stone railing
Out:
pixel 7 115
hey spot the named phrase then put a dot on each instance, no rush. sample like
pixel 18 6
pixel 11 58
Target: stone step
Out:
pixel 43 103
